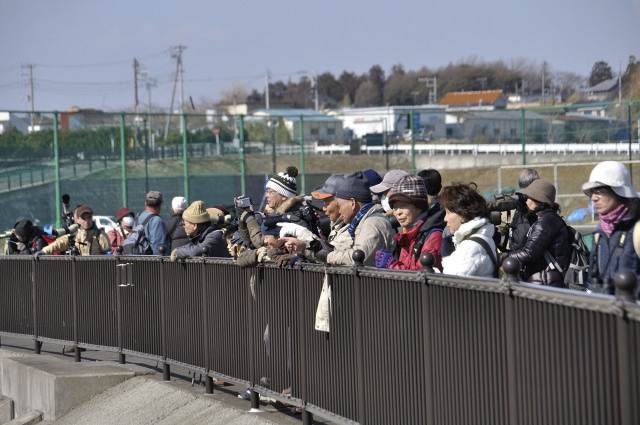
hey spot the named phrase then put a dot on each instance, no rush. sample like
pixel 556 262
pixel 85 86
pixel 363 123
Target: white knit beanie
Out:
pixel 285 183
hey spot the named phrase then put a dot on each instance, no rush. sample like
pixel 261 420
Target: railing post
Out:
pixel 205 324
pixel 427 260
pixel 166 369
pixel 74 288
pixel 361 392
pixel 34 300
pixel 119 270
pixel 626 284
pixel 511 267
pixel 307 417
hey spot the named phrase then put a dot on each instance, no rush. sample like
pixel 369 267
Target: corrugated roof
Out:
pixel 486 97
pixel 606 85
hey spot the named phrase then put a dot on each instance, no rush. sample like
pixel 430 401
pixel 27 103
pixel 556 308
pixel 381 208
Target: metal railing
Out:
pixel 404 347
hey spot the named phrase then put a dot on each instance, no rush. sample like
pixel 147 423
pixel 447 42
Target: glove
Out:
pixel 174 255
pixel 322 253
pixel 37 254
pixel 384 259
pixel 245 216
pixel 296 231
pixel 261 254
pixel 286 260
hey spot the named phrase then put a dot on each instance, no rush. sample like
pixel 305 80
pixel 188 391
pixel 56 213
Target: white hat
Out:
pixel 613 174
pixel 390 178
pixel 178 204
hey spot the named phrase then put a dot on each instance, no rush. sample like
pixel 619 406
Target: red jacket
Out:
pixel 433 244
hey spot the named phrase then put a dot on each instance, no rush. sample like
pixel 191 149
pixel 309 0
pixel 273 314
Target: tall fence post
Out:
pixel 185 156
pixel 56 161
pixel 123 161
pixel 523 137
pixel 243 165
pixel 302 171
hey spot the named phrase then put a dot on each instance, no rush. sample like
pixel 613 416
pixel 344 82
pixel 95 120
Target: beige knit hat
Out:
pixel 196 213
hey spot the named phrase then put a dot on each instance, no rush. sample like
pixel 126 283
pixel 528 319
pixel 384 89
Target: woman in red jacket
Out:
pixel 421 232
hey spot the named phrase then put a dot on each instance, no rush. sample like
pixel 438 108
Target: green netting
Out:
pixel 109 160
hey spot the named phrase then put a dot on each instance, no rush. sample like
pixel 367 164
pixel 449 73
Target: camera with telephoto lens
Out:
pixel 242 201
pixel 67 213
pixel 305 216
pixel 504 202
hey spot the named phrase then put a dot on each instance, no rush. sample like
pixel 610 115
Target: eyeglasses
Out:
pixel 598 191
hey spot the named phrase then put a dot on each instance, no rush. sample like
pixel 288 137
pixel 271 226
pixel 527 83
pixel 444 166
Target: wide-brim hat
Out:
pixel 614 175
pixel 123 212
pixel 541 191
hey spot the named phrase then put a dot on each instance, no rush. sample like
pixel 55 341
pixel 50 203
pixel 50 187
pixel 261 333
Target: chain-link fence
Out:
pixel 110 160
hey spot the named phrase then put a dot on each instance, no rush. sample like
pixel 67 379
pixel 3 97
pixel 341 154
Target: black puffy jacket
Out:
pixel 548 233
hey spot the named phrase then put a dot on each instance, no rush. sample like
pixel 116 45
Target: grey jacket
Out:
pixel 374 232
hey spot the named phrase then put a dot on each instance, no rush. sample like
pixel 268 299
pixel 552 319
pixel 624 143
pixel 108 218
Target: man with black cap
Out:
pixel 366 223
pixel 154 227
pixel 26 238
pixel 89 239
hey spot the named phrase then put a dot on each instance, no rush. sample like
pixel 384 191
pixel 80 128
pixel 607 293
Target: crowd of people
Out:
pixel 393 219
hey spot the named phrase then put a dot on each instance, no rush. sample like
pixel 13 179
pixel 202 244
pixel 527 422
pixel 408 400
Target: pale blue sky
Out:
pixel 74 43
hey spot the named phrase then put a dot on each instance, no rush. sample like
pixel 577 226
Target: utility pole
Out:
pixel 544 70
pixel 30 67
pixel 315 91
pixel 432 83
pixel 267 77
pixel 135 84
pixel 177 54
pixel 149 82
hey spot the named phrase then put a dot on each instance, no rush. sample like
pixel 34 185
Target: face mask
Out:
pixel 127 221
pixel 384 201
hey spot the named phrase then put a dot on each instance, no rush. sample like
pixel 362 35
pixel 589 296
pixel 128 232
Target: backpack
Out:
pixel 137 242
pixel 575 276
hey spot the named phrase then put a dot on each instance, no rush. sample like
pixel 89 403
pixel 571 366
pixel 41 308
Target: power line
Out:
pixel 99 65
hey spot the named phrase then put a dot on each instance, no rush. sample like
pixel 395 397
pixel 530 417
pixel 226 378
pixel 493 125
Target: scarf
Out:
pixel 356 220
pixel 609 220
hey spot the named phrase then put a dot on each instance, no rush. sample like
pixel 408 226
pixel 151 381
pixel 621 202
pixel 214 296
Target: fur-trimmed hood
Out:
pixel 290 204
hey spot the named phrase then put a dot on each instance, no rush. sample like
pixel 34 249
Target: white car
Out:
pixel 106 222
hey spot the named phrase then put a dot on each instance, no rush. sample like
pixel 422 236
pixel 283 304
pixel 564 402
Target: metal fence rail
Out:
pixel 403 347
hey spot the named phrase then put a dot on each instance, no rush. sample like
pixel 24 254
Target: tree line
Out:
pixel 405 87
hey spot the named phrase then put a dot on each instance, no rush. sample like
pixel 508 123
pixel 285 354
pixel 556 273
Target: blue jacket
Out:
pixel 210 239
pixel 607 259
pixel 156 231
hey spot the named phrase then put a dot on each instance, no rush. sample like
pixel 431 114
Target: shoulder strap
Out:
pixel 487 248
pixel 146 220
pixel 422 237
